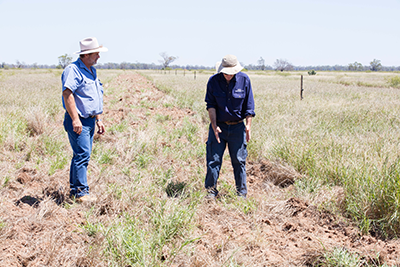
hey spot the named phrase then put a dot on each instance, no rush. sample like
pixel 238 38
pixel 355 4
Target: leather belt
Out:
pixel 90 116
pixel 231 122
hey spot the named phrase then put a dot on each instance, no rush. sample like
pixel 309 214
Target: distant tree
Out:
pixel 124 65
pixel 283 64
pixel 375 65
pixel 20 64
pixel 64 60
pixel 261 63
pixel 166 59
pixel 355 66
pixel 4 66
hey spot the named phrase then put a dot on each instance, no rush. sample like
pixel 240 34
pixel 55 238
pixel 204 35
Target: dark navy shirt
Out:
pixel 233 101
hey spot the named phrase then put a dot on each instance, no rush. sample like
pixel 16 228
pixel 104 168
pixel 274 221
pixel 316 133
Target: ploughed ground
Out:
pixel 41 226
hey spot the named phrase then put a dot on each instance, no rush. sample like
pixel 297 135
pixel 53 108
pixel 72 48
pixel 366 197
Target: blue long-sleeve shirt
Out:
pixel 233 101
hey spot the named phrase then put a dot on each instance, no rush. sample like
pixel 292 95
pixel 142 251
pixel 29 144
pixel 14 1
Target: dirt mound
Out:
pixel 38 231
pixel 273 172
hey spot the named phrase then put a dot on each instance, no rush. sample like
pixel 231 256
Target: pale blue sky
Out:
pixel 305 32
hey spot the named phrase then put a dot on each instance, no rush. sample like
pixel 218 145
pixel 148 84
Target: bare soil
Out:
pixel 41 230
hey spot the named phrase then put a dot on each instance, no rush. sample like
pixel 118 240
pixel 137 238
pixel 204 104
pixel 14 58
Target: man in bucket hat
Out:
pixel 230 101
pixel 82 97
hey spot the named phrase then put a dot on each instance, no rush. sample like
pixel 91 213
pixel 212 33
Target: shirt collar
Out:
pixel 83 66
pixel 222 78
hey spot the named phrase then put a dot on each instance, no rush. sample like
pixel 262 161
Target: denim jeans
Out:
pixel 235 137
pixel 82 147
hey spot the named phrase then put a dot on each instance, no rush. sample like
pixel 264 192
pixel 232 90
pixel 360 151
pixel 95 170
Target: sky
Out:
pixel 304 32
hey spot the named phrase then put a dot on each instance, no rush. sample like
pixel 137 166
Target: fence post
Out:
pixel 301 88
pixel 195 75
pixel 184 72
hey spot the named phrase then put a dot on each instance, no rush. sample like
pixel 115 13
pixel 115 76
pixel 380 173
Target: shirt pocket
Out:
pixel 218 94
pixel 220 99
pixel 88 82
pixel 238 93
pixel 89 88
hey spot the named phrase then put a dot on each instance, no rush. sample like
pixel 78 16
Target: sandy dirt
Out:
pixel 40 230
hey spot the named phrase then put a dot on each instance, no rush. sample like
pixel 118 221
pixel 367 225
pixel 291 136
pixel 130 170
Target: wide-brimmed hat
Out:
pixel 90 45
pixel 229 65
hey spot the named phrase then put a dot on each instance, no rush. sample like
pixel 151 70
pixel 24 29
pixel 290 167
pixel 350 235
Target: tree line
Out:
pixel 109 65
pixel 285 65
pixel 167 60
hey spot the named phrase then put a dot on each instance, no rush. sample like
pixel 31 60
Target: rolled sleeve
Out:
pixel 250 106
pixel 211 102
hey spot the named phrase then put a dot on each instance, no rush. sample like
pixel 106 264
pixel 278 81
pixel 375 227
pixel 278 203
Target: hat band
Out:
pixel 228 65
pixel 91 49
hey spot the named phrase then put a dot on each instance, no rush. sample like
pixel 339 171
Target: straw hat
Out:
pixel 90 45
pixel 229 65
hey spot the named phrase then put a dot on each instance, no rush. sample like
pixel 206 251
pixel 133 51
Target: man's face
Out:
pixel 91 59
pixel 228 77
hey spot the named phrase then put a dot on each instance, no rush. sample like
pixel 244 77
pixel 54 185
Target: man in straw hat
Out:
pixel 230 101
pixel 82 97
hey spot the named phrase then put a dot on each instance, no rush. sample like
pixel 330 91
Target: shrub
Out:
pixel 394 81
pixel 312 72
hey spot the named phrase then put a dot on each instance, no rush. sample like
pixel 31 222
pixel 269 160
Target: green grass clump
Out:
pixel 6 180
pixel 118 128
pixel 13 131
pixel 188 130
pixel 152 237
pixel 343 257
pixel 58 163
pixel 104 155
pixel 394 82
pixel 2 225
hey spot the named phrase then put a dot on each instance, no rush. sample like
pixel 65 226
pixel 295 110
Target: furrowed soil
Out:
pixel 41 226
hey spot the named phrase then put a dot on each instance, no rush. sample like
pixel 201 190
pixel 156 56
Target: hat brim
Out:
pixel 228 70
pixel 99 49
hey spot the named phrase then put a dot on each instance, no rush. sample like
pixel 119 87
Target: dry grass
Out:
pixel 148 170
pixel 343 133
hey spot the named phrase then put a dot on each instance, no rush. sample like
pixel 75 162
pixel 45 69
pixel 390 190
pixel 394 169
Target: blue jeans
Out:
pixel 82 147
pixel 235 137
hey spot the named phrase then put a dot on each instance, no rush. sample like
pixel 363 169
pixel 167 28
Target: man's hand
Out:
pixel 77 126
pixel 101 127
pixel 248 133
pixel 248 128
pixel 212 113
pixel 217 131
